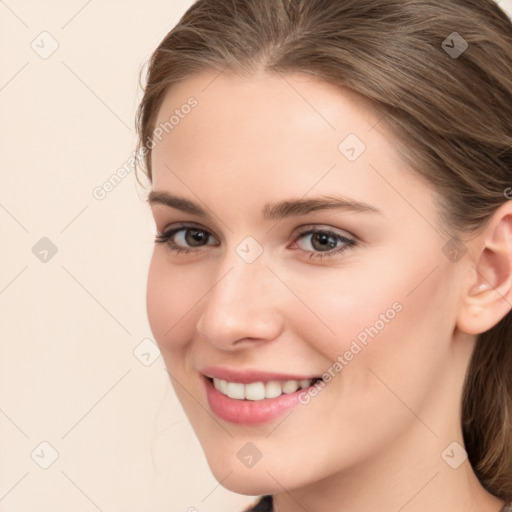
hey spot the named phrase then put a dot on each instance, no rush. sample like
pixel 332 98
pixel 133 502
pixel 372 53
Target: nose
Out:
pixel 242 307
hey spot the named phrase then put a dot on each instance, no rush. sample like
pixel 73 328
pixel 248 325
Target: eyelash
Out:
pixel 166 238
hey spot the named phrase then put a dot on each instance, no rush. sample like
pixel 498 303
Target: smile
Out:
pixel 260 390
pixel 262 397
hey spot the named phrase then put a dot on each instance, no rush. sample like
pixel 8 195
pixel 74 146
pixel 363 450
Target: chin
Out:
pixel 253 481
pixel 249 484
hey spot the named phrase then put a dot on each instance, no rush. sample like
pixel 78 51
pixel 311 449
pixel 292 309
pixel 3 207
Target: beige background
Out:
pixel 78 369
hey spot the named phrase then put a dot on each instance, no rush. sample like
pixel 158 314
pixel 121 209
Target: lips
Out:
pixel 239 396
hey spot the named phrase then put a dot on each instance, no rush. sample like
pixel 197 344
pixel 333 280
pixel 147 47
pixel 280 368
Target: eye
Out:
pixel 317 243
pixel 323 242
pixel 186 238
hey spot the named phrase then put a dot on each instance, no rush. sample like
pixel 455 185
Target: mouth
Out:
pixel 260 390
pixel 254 401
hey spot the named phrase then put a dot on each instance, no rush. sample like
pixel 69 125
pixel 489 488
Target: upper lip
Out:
pixel 248 375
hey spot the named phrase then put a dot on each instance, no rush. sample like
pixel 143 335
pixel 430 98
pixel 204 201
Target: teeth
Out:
pixel 290 386
pixel 235 390
pixel 273 389
pixel 254 391
pixel 260 390
pixel 305 383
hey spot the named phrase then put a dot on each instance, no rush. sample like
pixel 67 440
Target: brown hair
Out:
pixel 451 115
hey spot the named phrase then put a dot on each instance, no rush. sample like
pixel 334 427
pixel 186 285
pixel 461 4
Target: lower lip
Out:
pixel 249 412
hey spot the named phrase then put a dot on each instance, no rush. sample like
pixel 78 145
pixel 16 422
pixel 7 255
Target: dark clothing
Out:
pixel 264 504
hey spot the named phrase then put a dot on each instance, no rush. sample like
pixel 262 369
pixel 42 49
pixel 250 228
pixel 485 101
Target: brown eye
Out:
pixel 319 243
pixel 186 238
pixel 323 241
pixel 196 237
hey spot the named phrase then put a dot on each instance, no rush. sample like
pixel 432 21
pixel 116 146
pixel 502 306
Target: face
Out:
pixel 296 245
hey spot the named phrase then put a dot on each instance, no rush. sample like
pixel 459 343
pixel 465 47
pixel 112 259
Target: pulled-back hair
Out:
pixel 451 114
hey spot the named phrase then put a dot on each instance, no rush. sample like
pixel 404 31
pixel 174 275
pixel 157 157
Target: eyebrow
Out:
pixel 271 211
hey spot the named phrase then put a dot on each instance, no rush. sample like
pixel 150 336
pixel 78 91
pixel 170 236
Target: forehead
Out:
pixel 263 105
pixel 276 135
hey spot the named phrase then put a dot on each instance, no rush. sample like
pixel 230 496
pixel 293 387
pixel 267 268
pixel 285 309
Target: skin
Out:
pixel 373 438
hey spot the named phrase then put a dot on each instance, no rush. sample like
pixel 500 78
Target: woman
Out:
pixel 331 288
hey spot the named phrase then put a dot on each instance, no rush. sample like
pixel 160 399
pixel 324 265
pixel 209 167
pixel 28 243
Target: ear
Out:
pixel 488 296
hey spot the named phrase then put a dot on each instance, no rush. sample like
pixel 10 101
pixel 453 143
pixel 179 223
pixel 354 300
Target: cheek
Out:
pixel 172 294
pixel 399 317
pixel 345 306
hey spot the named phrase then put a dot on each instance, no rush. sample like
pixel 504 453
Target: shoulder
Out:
pixel 264 504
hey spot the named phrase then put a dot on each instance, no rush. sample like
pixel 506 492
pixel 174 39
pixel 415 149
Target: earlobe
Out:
pixel 489 295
